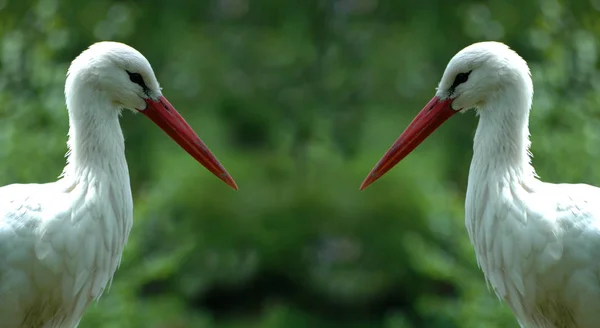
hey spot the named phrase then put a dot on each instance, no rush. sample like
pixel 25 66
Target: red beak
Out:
pixel 163 114
pixel 435 113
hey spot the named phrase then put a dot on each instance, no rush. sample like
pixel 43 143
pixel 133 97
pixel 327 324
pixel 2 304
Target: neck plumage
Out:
pixel 96 178
pixel 501 172
pixel 96 144
pixel 501 143
pixel 96 163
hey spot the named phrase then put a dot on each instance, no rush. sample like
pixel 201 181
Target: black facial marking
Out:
pixel 138 79
pixel 460 78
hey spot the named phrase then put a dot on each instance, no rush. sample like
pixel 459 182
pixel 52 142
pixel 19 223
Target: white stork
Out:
pixel 61 242
pixel 537 243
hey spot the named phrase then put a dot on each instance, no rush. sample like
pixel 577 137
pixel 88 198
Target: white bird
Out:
pixel 61 242
pixel 537 243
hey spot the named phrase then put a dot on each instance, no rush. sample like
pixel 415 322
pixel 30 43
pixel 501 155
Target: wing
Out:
pixel 574 273
pixel 53 259
pixel 545 252
pixel 22 279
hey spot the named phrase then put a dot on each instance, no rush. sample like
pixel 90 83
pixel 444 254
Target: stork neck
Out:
pixel 96 143
pixel 501 144
pixel 96 174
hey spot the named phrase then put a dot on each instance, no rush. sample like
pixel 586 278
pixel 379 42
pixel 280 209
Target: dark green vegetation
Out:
pixel 299 99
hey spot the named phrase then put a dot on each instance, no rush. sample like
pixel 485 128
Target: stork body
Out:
pixel 61 242
pixel 537 243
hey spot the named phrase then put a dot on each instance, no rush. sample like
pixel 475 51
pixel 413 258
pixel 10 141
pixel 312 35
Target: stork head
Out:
pixel 115 71
pixel 476 75
pixel 117 74
pixel 480 72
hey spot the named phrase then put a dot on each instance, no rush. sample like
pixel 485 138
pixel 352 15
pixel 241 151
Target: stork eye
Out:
pixel 460 78
pixel 137 79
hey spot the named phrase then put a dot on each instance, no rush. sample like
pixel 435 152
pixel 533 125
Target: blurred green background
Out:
pixel 299 99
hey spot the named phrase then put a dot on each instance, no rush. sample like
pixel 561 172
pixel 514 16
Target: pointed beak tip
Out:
pixel 230 182
pixel 368 181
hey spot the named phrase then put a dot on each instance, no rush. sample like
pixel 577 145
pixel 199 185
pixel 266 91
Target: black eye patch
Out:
pixel 138 79
pixel 459 79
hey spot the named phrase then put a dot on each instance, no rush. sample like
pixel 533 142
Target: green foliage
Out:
pixel 298 100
